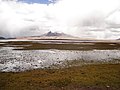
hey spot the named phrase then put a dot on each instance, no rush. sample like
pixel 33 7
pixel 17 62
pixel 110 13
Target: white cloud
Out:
pixel 84 18
pixel 51 0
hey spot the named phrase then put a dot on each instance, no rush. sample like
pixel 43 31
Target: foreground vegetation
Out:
pixel 87 77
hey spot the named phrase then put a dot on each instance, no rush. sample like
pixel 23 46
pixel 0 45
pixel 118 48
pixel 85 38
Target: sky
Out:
pixel 38 1
pixel 98 19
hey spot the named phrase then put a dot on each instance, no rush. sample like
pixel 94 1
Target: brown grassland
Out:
pixel 86 77
pixel 30 45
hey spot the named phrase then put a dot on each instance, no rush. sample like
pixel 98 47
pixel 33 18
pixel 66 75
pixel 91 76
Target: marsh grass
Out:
pixel 38 45
pixel 89 77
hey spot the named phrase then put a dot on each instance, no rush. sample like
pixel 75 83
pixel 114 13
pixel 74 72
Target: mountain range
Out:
pixel 50 35
pixel 2 38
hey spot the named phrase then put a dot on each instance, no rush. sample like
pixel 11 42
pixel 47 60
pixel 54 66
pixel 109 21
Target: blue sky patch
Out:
pixel 37 1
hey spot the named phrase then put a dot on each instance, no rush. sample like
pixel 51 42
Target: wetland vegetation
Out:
pixel 78 74
pixel 88 77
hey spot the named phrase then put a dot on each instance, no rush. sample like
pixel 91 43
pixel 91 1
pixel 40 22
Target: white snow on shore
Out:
pixel 20 60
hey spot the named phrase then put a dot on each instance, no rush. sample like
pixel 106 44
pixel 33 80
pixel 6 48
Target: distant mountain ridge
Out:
pixel 51 35
pixel 2 38
pixel 55 34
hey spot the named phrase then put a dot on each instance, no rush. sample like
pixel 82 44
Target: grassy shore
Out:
pixel 32 45
pixel 87 77
pixel 76 75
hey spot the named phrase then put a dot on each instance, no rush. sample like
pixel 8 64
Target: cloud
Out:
pixel 83 18
pixel 52 0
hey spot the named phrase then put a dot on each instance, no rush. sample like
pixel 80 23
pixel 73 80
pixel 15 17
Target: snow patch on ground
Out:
pixel 20 60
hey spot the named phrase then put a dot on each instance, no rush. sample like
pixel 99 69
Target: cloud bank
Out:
pixel 84 18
